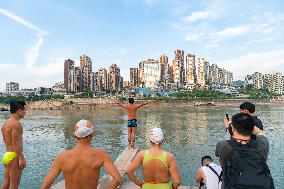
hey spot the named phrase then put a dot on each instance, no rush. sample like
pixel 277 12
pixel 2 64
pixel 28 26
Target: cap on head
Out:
pixel 83 128
pixel 156 135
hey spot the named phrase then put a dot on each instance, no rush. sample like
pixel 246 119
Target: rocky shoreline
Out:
pixel 92 104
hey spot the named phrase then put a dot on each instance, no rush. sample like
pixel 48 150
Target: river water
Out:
pixel 190 133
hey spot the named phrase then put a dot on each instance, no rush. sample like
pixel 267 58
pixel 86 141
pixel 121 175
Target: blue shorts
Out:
pixel 132 123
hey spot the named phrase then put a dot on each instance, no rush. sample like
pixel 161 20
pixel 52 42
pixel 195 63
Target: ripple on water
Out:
pixel 190 133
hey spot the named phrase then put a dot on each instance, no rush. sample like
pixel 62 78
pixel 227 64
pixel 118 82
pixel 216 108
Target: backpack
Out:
pixel 245 168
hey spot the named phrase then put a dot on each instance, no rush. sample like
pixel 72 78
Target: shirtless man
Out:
pixel 13 160
pixel 132 121
pixel 158 166
pixel 81 165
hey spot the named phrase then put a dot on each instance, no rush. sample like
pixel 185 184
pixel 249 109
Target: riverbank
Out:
pixel 92 104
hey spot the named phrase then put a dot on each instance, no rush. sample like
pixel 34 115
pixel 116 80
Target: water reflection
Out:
pixel 190 133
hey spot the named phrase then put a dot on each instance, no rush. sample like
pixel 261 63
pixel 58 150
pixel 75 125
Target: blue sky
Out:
pixel 37 36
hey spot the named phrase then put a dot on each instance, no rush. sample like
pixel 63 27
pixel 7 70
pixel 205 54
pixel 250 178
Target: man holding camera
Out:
pixel 243 160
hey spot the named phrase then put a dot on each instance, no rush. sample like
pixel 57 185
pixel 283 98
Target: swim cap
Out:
pixel 156 135
pixel 83 128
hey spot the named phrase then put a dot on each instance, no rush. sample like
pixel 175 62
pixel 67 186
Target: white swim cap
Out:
pixel 156 135
pixel 83 128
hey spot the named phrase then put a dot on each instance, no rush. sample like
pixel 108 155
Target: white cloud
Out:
pixel 232 32
pixel 264 62
pixel 211 46
pixel 194 37
pixel 201 15
pixel 30 77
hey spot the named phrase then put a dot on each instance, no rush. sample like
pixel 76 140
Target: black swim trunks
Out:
pixel 132 123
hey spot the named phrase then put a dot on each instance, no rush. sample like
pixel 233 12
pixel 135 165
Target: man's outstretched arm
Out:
pixel 118 102
pixel 143 104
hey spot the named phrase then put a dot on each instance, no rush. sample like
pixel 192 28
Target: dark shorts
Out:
pixel 132 123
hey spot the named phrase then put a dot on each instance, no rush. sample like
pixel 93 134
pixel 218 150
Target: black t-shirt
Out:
pixel 258 124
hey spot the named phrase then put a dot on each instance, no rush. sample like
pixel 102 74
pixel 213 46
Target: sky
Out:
pixel 36 36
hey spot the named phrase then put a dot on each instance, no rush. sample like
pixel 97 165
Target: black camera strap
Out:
pixel 219 176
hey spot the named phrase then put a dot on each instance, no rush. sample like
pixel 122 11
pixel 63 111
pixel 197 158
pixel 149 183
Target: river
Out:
pixel 190 133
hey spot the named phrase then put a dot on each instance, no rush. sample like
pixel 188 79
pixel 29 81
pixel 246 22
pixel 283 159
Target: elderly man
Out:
pixel 81 165
pixel 158 165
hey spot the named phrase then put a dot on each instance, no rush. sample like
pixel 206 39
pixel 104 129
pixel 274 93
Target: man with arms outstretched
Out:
pixel 13 160
pixel 81 165
pixel 132 121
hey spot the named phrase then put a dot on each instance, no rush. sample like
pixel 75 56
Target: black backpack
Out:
pixel 245 168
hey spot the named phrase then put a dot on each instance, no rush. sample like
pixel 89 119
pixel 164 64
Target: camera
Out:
pixel 229 128
pixel 201 183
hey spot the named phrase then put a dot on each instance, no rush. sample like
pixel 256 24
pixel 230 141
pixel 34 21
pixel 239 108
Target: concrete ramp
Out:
pixel 121 163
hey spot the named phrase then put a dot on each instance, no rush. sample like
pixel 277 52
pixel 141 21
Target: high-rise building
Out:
pixel 114 78
pixel 134 77
pixel 68 65
pixel 201 74
pixel 77 79
pixel 149 72
pixel 179 60
pixel 190 69
pixel 71 80
pixel 86 68
pixel 257 80
pixel 277 83
pixel 103 80
pixel 230 78
pixel 126 84
pixel 214 75
pixel 177 71
pixel 12 87
pixel 164 77
pixel 248 80
pixel 94 82
pixel 207 73
pixel 171 74
pixel 222 76
pixel 268 82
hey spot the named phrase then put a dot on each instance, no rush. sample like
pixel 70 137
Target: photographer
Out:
pixel 243 160
pixel 209 174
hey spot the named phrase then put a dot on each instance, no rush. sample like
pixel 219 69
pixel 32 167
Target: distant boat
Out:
pixel 204 104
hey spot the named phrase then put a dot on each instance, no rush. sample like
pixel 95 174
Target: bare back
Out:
pixel 12 132
pixel 155 170
pixel 132 110
pixel 81 167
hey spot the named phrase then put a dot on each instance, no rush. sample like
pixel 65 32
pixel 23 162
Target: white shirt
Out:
pixel 212 180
